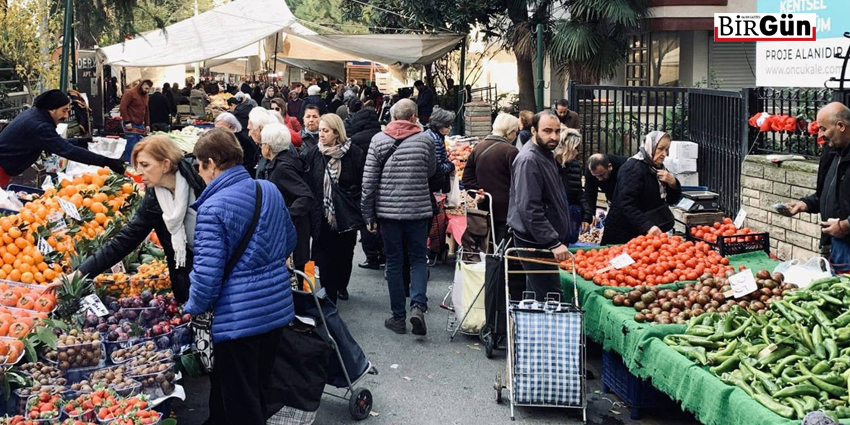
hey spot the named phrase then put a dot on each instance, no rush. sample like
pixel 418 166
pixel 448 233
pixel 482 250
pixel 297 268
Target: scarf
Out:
pixel 647 152
pixel 332 171
pixel 174 206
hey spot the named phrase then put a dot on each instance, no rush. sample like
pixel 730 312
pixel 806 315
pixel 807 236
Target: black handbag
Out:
pixel 349 216
pixel 202 324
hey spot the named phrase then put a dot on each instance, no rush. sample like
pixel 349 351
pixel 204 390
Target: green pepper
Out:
pixel 797 309
pixel 788 378
pixel 700 341
pixel 810 403
pixel 785 311
pixel 782 365
pixel 696 354
pixel 843 335
pixel 797 405
pixel 830 299
pixel 798 390
pixel 832 378
pixel 739 330
pixel 817 335
pixel 753 350
pixel 831 389
pixel 820 351
pixel 778 408
pixel 729 349
pixel 824 321
pixel 700 330
pixel 823 282
pixel 821 367
pixel 831 348
pixel 726 366
pixel 776 355
pixel 842 320
pixel 807 338
pixel 842 412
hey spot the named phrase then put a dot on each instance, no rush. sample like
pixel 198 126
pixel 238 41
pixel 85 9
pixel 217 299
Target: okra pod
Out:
pixel 778 408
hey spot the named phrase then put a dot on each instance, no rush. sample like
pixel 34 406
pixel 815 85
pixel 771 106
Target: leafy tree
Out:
pixel 327 16
pixel 21 35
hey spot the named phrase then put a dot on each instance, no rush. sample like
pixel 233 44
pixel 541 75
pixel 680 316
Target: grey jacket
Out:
pixel 399 191
pixel 537 208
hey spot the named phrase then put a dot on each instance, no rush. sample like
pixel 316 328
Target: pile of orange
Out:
pixel 152 276
pixel 99 197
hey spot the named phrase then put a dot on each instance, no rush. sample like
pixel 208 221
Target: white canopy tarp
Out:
pixel 242 23
pixel 329 68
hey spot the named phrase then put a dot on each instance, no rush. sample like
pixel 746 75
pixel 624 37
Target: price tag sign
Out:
pixel 621 261
pixel 739 219
pixel 70 209
pixel 118 268
pixel 743 283
pixel 685 204
pixel 93 305
pixel 44 247
pixel 57 219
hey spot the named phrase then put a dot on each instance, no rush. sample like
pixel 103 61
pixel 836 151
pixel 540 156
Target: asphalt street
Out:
pixel 432 380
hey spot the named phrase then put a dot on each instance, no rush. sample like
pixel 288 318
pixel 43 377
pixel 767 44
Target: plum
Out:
pixel 163 342
pixel 112 336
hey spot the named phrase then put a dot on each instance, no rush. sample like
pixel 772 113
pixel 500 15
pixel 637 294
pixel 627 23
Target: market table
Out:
pixel 647 356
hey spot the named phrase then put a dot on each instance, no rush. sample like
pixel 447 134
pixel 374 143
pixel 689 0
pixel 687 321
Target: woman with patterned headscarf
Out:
pixel 644 193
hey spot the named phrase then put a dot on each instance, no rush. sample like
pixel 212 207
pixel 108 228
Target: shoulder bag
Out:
pixel 202 323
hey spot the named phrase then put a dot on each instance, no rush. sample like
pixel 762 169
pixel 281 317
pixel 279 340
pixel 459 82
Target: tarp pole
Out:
pixel 274 56
pixel 66 46
pixel 461 87
pixel 540 81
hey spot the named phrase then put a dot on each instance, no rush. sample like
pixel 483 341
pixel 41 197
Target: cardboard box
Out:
pixel 683 150
pixel 680 166
pixel 688 179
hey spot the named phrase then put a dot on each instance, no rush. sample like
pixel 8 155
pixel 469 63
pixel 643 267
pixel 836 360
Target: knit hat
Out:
pixel 51 99
pixel 313 90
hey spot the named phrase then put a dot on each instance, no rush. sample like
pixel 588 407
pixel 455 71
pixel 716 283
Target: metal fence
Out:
pixel 802 104
pixel 614 118
pixel 717 123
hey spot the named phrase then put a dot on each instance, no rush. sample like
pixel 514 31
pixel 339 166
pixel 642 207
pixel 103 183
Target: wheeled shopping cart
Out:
pixel 349 365
pixel 546 345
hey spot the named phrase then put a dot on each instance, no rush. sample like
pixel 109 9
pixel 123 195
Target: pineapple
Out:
pixel 69 296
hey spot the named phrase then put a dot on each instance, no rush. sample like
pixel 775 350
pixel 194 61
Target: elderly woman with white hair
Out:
pixel 284 167
pixel 489 168
pixel 566 154
pixel 250 153
pixel 439 126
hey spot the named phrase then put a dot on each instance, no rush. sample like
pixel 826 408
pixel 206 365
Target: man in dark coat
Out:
pixel 568 118
pixel 34 131
pixel 424 101
pixel 364 126
pixel 160 111
pixel 600 175
pixel 832 196
pixel 313 98
pixel 537 210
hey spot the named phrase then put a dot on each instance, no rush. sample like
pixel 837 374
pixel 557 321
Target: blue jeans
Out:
pixel 414 235
pixel 839 255
pixel 132 138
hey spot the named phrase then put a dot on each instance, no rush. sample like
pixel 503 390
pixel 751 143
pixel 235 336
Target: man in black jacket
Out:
pixel 600 175
pixel 832 196
pixel 538 210
pixel 34 131
pixel 364 126
pixel 424 101
pixel 160 111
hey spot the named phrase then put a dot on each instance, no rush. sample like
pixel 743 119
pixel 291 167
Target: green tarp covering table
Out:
pixel 646 356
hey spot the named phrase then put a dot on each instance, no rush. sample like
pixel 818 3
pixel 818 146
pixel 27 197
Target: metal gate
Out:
pixel 717 123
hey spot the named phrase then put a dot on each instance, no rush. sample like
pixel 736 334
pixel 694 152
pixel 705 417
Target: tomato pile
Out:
pixel 658 260
pixel 726 228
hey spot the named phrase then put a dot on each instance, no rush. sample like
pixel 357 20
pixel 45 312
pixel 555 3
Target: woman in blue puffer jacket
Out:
pixel 253 304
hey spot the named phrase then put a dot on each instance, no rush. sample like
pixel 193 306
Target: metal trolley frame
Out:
pixel 552 306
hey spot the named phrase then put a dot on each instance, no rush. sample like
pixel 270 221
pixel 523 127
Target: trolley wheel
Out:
pixel 486 336
pixel 360 403
pixel 498 387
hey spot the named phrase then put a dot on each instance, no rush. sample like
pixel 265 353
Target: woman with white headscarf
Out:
pixel 645 190
pixel 250 151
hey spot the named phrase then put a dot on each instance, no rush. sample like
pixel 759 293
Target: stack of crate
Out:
pixel 477 117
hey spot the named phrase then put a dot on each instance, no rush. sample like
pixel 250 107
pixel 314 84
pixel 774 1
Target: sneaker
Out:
pixel 417 321
pixel 342 294
pixel 396 325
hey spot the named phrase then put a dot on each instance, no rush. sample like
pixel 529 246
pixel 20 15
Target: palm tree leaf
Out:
pixel 574 40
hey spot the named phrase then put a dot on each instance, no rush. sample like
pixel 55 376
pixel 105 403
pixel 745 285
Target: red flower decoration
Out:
pixel 790 124
pixel 820 141
pixel 777 123
pixel 753 121
pixel 813 127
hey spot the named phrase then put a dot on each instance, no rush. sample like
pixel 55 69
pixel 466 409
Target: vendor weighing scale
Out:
pixel 700 200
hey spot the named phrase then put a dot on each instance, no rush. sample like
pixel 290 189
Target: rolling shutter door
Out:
pixel 733 63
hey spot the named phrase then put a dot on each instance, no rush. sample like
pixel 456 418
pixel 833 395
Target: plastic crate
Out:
pixel 735 244
pixel 15 188
pixel 637 393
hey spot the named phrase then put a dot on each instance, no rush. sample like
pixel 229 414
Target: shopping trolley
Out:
pixel 546 346
pixel 350 365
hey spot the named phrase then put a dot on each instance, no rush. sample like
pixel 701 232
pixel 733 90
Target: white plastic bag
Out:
pixel 802 274
pixel 453 197
pixel 468 281
pixel 9 201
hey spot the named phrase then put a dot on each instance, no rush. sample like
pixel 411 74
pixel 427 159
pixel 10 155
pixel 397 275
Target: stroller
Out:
pixel 305 385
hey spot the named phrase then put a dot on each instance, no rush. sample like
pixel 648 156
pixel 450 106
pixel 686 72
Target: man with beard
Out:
pixel 537 209
pixel 310 132
pixel 832 196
